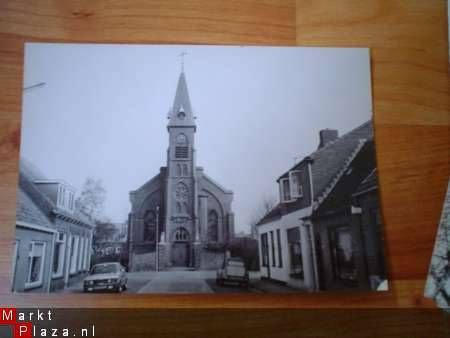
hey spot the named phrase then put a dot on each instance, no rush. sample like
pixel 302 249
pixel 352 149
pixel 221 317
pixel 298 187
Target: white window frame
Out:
pixel 282 198
pixel 59 197
pixel 39 282
pixel 74 257
pixel 14 262
pixel 80 254
pixel 296 190
pixel 86 243
pixel 83 241
pixel 86 254
pixel 62 253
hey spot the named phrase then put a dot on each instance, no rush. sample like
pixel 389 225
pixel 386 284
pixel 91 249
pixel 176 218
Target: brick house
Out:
pixel 53 239
pixel 313 238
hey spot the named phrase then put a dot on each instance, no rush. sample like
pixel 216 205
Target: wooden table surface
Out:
pixel 409 51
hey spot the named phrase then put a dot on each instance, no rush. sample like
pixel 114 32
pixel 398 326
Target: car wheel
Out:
pixel 120 289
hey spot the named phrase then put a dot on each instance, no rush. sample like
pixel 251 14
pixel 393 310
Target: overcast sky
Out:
pixel 103 112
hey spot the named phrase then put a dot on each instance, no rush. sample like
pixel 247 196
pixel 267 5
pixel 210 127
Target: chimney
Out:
pixel 327 136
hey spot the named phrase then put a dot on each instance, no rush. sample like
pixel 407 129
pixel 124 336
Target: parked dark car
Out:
pixel 106 276
pixel 233 271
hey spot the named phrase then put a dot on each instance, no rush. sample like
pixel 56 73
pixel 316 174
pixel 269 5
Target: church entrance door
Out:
pixel 180 248
pixel 180 254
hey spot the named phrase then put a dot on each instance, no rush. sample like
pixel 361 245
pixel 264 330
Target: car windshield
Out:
pixel 104 268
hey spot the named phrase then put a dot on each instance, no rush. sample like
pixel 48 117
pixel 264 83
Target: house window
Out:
pixel 272 244
pixel 85 257
pixel 71 201
pixel 59 197
pixel 343 259
pixel 295 253
pixel 295 183
pixel 376 225
pixel 265 250
pixel 285 190
pixel 58 255
pixel 36 259
pixel 15 257
pixel 280 256
pixel 87 253
pixel 74 255
pixel 81 255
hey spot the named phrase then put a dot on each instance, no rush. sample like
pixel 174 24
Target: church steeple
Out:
pixel 181 114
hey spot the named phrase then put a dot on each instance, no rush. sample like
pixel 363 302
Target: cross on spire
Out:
pixel 182 55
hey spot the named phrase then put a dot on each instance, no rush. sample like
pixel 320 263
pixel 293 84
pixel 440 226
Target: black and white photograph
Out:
pixel 437 284
pixel 168 169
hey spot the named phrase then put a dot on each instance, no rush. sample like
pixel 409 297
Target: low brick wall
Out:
pixel 146 261
pixel 143 262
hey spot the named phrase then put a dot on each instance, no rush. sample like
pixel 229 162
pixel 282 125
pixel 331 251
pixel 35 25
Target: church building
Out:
pixel 181 217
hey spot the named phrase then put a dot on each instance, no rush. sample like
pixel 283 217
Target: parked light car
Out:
pixel 106 276
pixel 234 271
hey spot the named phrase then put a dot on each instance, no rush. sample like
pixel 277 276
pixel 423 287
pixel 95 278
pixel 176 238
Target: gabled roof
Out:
pixel 327 165
pixel 181 104
pixel 151 181
pixel 28 211
pixel 33 202
pixel 328 160
pixel 340 197
pixel 368 184
pixel 201 173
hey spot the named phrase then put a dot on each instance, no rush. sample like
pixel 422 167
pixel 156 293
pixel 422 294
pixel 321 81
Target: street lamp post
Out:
pixel 157 239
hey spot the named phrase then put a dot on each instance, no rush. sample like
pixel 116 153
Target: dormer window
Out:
pixel 285 190
pixel 291 187
pixel 59 192
pixel 296 183
pixel 65 198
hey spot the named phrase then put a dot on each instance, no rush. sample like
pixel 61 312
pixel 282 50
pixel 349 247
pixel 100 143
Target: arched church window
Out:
pixel 181 192
pixel 181 146
pixel 181 235
pixel 185 170
pixel 213 224
pixel 179 173
pixel 149 226
pixel 182 197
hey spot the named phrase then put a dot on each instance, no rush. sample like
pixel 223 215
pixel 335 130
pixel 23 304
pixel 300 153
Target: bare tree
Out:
pixel 92 198
pixel 266 205
pixel 104 231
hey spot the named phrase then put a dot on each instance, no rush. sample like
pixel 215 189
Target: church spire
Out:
pixel 181 114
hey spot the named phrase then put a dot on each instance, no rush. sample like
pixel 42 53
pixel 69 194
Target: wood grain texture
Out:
pixel 408 41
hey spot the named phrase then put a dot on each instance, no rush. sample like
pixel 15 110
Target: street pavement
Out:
pixel 179 281
pixel 182 281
